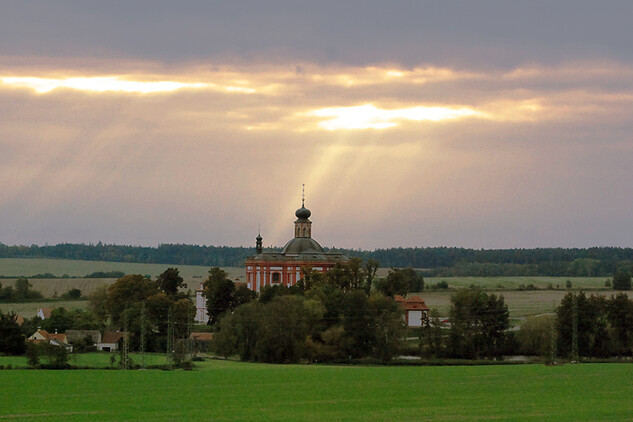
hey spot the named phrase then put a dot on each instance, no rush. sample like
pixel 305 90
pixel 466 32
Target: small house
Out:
pixel 416 312
pixel 43 336
pixel 110 341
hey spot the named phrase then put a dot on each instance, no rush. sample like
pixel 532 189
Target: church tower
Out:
pixel 303 226
pixel 258 243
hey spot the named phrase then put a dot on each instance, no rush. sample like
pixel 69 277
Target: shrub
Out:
pixel 622 281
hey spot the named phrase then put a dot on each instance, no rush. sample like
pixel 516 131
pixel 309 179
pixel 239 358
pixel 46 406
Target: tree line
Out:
pixel 437 261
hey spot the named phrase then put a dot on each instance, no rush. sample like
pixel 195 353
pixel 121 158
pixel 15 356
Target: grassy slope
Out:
pixel 229 391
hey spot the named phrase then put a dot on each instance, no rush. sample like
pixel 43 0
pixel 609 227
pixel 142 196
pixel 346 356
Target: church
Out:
pixel 272 268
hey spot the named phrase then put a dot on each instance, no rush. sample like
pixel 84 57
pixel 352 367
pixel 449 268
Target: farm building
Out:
pixel 110 341
pixel 43 336
pixel 416 312
pixel 270 268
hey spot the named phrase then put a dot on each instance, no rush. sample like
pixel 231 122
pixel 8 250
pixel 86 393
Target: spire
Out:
pixel 303 195
pixel 258 241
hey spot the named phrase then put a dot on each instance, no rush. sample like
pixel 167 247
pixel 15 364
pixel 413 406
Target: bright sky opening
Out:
pixel 368 116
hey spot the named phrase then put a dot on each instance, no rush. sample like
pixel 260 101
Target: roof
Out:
pixel 43 335
pixel 112 336
pixel 46 312
pixel 300 245
pixel 413 303
pixel 201 336
pixel 19 319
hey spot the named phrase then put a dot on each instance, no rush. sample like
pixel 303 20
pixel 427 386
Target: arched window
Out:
pixel 305 232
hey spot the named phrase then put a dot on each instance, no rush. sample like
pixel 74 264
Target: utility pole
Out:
pixel 125 362
pixel 170 338
pixel 143 335
pixel 552 347
pixel 574 329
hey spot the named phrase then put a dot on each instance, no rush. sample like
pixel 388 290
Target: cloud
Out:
pixel 391 156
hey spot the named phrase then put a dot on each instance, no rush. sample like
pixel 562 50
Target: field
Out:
pixel 233 391
pixel 193 275
pixel 521 303
pixel 29 309
pixel 75 268
pixel 93 360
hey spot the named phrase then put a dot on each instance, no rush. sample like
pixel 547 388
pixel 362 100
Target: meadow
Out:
pixel 236 391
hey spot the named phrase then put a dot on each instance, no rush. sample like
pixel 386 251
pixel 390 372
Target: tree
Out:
pixel 535 335
pixel 371 267
pixel 620 312
pixel 589 315
pixel 285 324
pixel 622 280
pixel 432 336
pixel 22 288
pixel 32 354
pixel 11 338
pixel 127 291
pixel 478 324
pixel 389 327
pixel 170 281
pixel 400 281
pixel 72 294
pixel 220 293
pixel 239 331
pixel 97 303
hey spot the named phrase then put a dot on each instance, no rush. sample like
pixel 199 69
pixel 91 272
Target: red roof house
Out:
pixel 416 311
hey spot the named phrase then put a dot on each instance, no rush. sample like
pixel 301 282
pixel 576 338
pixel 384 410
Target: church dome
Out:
pixel 300 245
pixel 303 213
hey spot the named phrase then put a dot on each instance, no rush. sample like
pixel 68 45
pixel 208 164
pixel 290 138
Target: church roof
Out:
pixel 300 245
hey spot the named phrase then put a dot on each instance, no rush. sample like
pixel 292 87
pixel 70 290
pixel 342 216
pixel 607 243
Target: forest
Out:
pixel 435 261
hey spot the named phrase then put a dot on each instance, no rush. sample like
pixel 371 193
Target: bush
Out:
pixel 622 281
pixel 72 294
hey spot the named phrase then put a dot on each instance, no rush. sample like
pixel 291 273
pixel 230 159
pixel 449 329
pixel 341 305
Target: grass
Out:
pixel 511 283
pixel 233 391
pixel 92 360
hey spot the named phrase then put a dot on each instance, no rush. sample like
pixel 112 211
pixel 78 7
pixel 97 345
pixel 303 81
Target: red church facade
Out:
pixel 271 268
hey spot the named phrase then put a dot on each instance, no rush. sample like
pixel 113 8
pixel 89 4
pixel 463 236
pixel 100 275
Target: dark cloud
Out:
pixel 483 33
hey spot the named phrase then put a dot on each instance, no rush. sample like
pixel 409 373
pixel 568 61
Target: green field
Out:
pixel 233 391
pixel 75 268
pixel 92 360
pixel 193 275
pixel 512 283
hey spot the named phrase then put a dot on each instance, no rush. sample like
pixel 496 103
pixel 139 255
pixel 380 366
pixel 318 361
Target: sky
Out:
pixel 479 124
